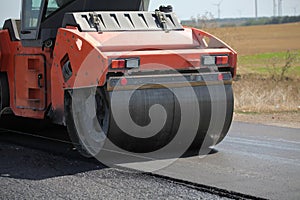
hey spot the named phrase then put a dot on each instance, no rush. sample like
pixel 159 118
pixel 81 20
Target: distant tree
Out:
pixel 272 20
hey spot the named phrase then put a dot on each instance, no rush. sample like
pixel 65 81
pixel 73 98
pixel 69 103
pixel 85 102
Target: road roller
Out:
pixel 112 71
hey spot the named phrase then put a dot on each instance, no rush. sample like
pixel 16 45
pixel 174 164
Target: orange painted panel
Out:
pixel 30 90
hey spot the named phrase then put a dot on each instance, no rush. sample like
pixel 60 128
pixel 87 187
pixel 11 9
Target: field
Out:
pixel 250 40
pixel 268 66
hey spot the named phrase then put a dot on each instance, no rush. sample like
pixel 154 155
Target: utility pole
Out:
pixel 256 12
pixel 274 8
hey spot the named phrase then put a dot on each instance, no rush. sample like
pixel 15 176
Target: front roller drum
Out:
pixel 87 119
pixel 91 120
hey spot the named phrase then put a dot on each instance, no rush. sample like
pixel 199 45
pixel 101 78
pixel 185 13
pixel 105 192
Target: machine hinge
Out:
pixel 95 20
pixel 161 19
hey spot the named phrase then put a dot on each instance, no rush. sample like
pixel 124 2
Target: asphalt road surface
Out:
pixel 32 174
pixel 254 159
pixel 258 160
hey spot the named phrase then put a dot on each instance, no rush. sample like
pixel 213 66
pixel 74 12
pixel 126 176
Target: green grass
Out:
pixel 267 62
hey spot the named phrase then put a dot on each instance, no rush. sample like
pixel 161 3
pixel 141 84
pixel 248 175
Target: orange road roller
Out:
pixel 112 71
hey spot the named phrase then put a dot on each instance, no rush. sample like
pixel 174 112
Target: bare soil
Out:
pixel 282 119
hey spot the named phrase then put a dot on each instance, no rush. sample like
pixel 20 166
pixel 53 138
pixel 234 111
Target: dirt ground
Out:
pixel 282 119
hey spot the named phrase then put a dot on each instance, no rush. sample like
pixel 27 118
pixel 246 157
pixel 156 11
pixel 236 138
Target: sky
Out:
pixel 185 9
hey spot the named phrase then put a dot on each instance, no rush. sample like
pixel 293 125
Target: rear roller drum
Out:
pixel 215 107
pixel 90 120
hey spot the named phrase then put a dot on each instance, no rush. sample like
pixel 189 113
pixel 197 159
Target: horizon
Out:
pixel 193 8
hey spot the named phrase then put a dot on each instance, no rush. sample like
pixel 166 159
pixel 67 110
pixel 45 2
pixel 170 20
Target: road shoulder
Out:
pixel 281 119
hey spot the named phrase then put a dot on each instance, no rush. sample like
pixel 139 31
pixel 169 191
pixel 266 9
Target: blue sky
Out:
pixel 229 8
pixel 187 8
